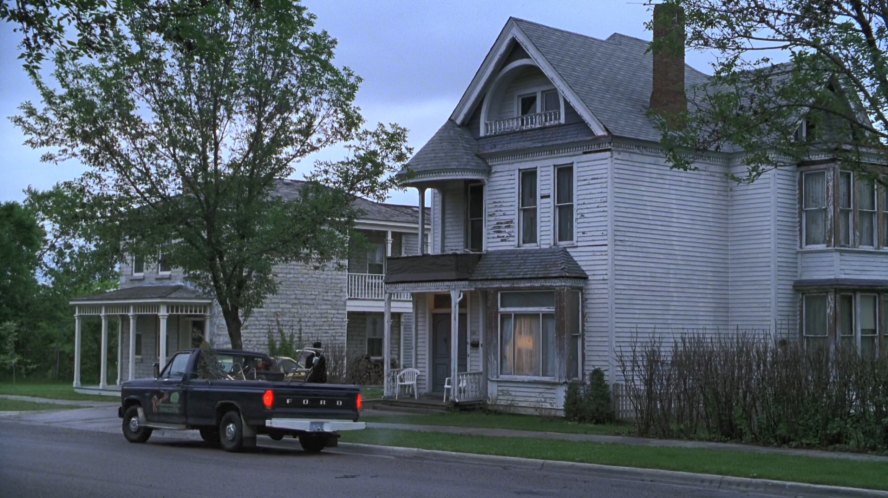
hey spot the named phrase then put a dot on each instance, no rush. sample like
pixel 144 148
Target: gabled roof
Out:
pixel 146 293
pixel 608 82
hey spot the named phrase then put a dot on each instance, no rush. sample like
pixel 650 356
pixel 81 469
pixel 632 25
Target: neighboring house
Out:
pixel 561 237
pixel 156 313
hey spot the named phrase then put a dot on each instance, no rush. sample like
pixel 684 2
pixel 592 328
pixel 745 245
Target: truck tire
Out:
pixel 134 431
pixel 231 431
pixel 210 435
pixel 312 443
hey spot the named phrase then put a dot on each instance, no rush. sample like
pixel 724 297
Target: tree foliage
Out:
pixel 836 81
pixel 21 239
pixel 188 114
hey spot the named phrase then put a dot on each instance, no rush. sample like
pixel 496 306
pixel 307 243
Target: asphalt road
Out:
pixel 49 455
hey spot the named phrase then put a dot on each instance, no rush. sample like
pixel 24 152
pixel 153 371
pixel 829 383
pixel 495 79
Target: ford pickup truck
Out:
pixel 233 396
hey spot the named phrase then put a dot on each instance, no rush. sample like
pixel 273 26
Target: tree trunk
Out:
pixel 233 323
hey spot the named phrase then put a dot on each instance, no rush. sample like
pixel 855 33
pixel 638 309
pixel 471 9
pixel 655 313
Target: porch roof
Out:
pixel 475 269
pixel 174 293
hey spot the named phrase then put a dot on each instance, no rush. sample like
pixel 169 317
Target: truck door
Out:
pixel 168 402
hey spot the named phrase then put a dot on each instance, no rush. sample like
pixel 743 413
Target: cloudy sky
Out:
pixel 416 58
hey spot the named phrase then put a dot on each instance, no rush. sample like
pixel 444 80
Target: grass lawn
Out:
pixel 12 405
pixel 502 421
pixel 51 390
pixel 836 472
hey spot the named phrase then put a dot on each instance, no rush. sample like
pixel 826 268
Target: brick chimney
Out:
pixel 668 91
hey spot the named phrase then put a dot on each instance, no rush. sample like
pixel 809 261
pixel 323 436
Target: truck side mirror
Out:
pixel 156 370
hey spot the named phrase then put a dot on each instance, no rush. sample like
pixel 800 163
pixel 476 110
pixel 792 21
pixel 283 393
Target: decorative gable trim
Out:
pixel 486 75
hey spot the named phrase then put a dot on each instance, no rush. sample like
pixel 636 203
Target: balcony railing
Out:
pixel 526 122
pixel 371 286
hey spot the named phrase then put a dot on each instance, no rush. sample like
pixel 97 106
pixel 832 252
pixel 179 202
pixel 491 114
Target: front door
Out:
pixel 441 348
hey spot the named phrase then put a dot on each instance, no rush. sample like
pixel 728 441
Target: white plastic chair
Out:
pixel 406 377
pixel 448 388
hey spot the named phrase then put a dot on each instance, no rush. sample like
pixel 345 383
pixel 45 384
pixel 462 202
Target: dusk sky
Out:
pixel 416 58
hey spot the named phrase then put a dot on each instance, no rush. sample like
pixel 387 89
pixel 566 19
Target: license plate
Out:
pixel 316 426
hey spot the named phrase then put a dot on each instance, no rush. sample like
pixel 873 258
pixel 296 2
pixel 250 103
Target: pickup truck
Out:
pixel 231 397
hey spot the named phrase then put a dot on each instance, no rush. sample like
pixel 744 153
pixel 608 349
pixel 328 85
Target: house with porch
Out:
pixel 561 237
pixel 156 312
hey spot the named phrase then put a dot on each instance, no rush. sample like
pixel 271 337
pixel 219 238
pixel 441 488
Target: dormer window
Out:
pixel 521 98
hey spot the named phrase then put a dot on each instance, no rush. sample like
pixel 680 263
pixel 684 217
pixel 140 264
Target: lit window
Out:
pixel 527 206
pixel 527 334
pixel 564 207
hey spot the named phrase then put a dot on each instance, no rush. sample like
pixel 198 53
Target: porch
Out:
pixel 151 322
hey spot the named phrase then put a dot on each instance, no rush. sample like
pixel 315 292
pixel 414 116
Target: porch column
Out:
pixel 422 248
pixel 77 346
pixel 387 345
pixel 388 243
pixel 455 297
pixel 103 360
pixel 162 354
pixel 132 344
pixel 119 349
pixel 208 329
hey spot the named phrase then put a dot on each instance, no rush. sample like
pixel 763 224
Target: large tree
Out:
pixel 188 114
pixel 835 83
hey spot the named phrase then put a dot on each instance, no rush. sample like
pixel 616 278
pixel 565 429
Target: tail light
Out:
pixel 359 402
pixel 268 399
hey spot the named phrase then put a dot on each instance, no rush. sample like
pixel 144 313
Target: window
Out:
pixel 885 217
pixel 846 208
pixel 376 258
pixel 138 344
pixel 866 212
pixel 564 209
pixel 138 266
pixel 857 320
pixel 527 207
pixel 814 320
pixel 814 208
pixel 177 367
pixel 163 264
pixel 551 102
pixel 527 334
pixel 527 104
pixel 475 212
pixel 850 217
pixel 374 335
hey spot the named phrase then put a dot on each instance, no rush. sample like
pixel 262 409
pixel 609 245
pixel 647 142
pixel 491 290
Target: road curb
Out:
pixel 636 474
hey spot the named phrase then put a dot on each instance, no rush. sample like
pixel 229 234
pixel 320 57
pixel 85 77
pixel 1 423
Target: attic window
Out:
pixel 527 104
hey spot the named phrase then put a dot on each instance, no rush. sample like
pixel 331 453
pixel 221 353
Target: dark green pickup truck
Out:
pixel 231 397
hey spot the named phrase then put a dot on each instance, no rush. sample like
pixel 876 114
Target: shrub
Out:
pixel 747 387
pixel 589 402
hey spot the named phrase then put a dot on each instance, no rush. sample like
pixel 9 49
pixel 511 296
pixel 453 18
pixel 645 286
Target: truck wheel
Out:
pixel 210 435
pixel 231 431
pixel 277 436
pixel 312 443
pixel 133 430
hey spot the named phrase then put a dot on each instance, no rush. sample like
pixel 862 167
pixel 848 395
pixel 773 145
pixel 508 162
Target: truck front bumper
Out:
pixel 308 425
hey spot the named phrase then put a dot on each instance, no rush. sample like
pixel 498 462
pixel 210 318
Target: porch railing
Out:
pixel 468 387
pixel 526 122
pixel 371 286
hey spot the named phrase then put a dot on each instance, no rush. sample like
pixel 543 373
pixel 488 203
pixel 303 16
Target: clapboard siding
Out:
pixel 437 225
pixel 843 263
pixel 817 264
pixel 527 397
pixel 787 244
pixel 423 338
pixel 750 223
pixel 454 217
pixel 502 206
pixel 671 246
pixel 531 80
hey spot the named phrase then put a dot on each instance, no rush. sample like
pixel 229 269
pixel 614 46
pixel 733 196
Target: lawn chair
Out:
pixel 406 377
pixel 449 389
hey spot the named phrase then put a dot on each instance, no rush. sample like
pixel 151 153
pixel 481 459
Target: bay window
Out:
pixel 842 209
pixel 814 320
pixel 857 315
